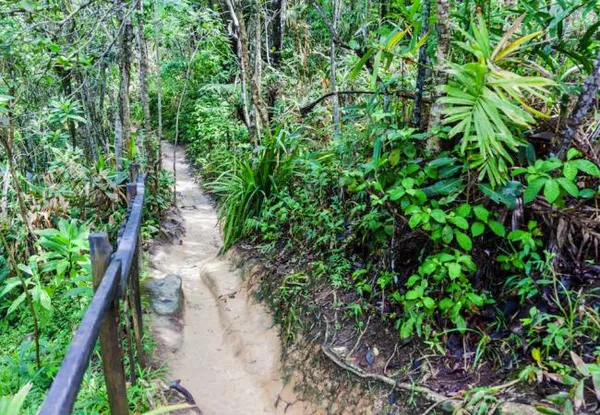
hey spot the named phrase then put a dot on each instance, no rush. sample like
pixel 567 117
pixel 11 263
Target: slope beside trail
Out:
pixel 224 347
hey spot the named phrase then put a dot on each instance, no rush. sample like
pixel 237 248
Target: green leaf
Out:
pixel 570 170
pixel 551 190
pixel 463 210
pixel 482 213
pixel 497 228
pixel 533 189
pixel 463 240
pixel 454 270
pixel 439 215
pixel 459 222
pixel 413 295
pixel 587 167
pixel 580 364
pixel 477 229
pixel 429 303
pixel 547 411
pixel 570 187
pixel 414 220
pixel 447 234
pixel 596 382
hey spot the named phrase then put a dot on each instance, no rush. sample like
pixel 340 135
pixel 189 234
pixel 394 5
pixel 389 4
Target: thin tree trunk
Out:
pixel 143 59
pixel 423 71
pixel 584 104
pixel 279 30
pixel 124 109
pixel 158 87
pixel 333 70
pixel 261 118
pixel 235 33
pixel 442 51
pixel 5 182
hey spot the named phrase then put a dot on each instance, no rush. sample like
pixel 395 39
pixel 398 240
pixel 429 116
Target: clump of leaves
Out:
pixel 487 104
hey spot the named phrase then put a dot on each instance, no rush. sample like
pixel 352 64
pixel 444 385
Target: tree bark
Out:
pixel 261 118
pixel 158 88
pixel 584 104
pixel 423 63
pixel 235 34
pixel 335 100
pixel 279 21
pixel 143 60
pixel 441 55
pixel 123 101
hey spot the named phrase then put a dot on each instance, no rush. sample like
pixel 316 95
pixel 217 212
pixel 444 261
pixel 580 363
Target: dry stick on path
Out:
pixel 181 97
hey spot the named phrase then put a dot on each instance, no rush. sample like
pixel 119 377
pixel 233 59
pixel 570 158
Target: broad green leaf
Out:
pixel 533 189
pixel 587 167
pixel 482 213
pixel 447 234
pixel 570 187
pixel 497 228
pixel 459 222
pixel 429 303
pixel 551 190
pixel 454 270
pixel 463 240
pixel 438 215
pixel 477 229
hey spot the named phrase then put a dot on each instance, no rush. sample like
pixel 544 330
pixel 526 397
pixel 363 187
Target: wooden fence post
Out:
pixel 134 285
pixel 110 344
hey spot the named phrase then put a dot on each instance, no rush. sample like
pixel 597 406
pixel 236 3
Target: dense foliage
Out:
pixel 63 171
pixel 429 165
pixel 433 163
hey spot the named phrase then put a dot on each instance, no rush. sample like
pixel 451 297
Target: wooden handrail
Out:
pixel 116 278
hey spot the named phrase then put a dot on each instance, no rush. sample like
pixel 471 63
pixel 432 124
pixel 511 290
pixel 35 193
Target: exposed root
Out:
pixel 446 403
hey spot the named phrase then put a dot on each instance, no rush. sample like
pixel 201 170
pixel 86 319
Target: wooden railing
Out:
pixel 116 279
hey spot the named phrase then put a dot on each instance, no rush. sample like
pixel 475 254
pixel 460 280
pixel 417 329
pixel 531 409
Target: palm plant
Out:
pixel 487 104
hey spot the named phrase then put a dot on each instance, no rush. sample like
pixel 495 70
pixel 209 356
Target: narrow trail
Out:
pixel 224 349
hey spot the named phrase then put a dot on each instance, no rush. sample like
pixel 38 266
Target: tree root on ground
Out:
pixel 445 403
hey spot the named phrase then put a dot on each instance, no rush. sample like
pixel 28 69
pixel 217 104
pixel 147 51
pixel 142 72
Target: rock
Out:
pixel 166 294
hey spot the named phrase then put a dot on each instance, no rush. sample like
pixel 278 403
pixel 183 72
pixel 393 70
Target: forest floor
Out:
pixel 223 346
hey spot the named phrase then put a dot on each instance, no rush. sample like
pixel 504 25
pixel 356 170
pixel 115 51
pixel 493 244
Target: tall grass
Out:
pixel 244 188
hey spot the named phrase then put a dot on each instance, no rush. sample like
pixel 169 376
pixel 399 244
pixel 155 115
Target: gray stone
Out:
pixel 166 294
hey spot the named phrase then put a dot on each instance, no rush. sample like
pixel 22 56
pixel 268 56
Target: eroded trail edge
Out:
pixel 223 346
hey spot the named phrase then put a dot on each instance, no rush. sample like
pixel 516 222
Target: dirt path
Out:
pixel 225 349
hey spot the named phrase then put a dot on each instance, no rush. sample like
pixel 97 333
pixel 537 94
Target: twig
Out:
pixel 390 359
pixel 360 337
pixel 435 405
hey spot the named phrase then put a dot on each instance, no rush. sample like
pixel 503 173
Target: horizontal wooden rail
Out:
pixel 116 278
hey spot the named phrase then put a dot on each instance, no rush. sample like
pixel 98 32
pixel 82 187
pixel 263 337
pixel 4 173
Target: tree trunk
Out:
pixel 235 35
pixel 441 55
pixel 143 59
pixel 279 20
pixel 584 104
pixel 5 182
pixel 158 88
pixel 124 110
pixel 335 100
pixel 261 118
pixel 423 71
